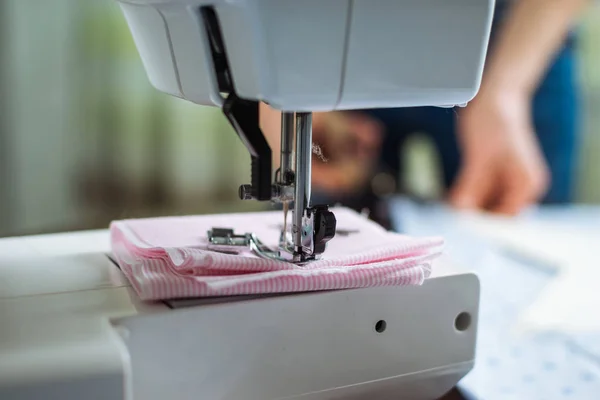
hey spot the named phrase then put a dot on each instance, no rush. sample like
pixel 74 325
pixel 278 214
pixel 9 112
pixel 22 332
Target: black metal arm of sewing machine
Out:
pixel 243 116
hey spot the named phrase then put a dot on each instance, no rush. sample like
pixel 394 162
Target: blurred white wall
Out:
pixel 36 89
pixel 589 174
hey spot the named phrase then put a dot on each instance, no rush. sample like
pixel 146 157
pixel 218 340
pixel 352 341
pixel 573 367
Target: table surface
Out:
pixel 546 364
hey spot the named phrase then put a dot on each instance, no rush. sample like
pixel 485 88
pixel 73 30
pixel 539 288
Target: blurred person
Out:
pixel 514 145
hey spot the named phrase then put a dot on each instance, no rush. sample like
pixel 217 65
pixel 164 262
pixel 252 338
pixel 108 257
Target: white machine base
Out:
pixel 72 328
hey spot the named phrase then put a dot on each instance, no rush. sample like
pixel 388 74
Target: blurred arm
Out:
pixel 503 168
pixel 532 33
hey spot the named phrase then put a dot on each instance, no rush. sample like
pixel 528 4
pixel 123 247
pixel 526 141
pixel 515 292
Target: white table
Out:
pixel 528 348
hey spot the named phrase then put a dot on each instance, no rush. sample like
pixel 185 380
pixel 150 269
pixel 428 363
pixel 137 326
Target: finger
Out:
pixel 524 189
pixel 338 178
pixel 367 131
pixel 319 121
pixel 328 178
pixel 513 201
pixel 518 195
pixel 474 187
pixel 347 135
pixel 352 133
pixel 368 135
pixel 494 198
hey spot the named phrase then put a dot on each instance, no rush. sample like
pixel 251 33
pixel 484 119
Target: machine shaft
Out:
pixel 311 226
pixel 303 181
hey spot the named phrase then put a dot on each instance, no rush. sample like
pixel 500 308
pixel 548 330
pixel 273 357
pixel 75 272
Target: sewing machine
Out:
pixel 73 328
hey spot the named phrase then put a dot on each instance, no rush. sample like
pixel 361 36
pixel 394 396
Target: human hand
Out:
pixel 349 145
pixel 503 168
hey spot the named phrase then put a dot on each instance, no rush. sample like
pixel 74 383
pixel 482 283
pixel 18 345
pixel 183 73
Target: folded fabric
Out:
pixel 168 257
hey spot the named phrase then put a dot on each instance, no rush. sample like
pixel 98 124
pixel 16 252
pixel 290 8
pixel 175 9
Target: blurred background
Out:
pixel 85 139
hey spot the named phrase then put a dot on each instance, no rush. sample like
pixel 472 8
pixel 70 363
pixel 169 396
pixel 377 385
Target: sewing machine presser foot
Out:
pixel 318 227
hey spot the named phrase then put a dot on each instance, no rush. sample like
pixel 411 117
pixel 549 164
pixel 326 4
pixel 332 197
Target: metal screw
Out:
pixel 245 192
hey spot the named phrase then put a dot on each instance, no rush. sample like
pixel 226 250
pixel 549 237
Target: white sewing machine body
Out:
pixel 72 328
pixel 314 55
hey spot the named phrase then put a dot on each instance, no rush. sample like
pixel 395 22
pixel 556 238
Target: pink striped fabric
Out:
pixel 166 258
